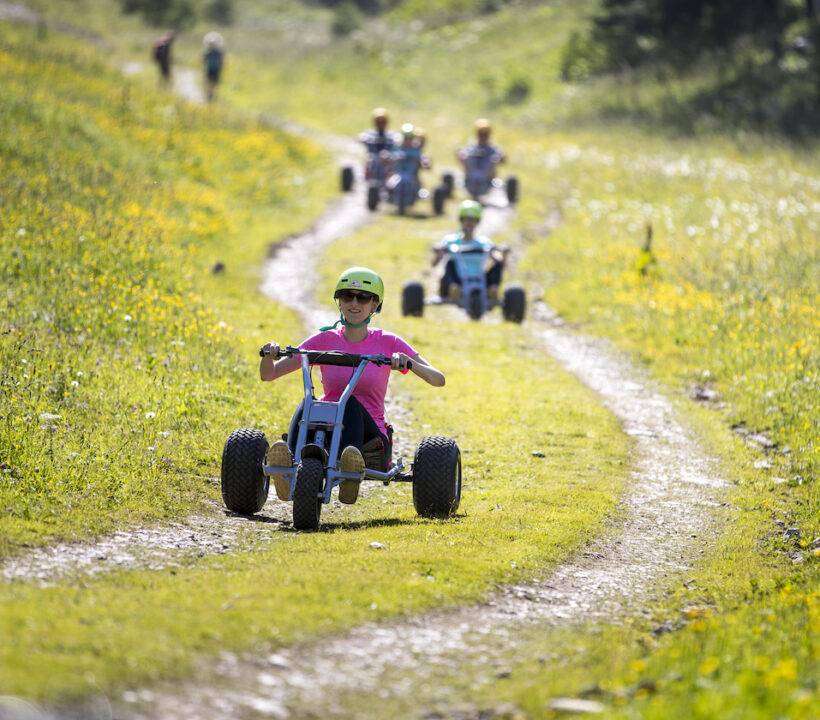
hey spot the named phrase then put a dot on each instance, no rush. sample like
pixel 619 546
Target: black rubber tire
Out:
pixel 346 178
pixel 512 189
pixel 372 198
pixel 412 299
pixel 401 203
pixel 514 306
pixel 448 182
pixel 244 485
pixel 474 309
pixel 437 477
pixel 307 505
pixel 439 198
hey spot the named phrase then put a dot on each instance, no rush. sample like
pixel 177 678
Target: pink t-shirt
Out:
pixel 372 386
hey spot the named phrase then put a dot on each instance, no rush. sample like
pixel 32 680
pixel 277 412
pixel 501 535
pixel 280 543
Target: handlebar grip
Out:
pixel 264 353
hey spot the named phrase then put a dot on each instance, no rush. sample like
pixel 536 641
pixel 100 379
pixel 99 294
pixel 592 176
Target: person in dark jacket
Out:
pixel 213 59
pixel 162 56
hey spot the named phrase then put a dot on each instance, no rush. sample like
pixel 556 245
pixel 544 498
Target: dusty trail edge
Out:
pixel 668 514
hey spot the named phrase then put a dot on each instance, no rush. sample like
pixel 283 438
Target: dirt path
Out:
pixel 668 512
pixel 665 515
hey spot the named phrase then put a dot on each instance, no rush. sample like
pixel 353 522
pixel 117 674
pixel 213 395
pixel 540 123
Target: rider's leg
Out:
pixel 351 459
pixel 450 287
pixel 280 454
pixel 493 279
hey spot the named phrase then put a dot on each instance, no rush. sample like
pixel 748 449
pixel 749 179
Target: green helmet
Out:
pixel 361 278
pixel 470 209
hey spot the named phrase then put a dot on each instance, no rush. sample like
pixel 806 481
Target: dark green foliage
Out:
pixel 178 14
pixel 633 31
pixel 763 55
pixel 346 19
pixel 220 11
pixel 517 90
pixel 369 7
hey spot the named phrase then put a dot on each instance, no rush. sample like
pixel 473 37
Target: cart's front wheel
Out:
pixel 437 477
pixel 307 495
pixel 244 485
pixel 475 304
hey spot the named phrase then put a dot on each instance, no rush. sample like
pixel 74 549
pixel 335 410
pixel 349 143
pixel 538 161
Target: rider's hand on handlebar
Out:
pixel 271 349
pixel 400 361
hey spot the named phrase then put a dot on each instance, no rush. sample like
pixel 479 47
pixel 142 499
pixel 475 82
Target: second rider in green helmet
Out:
pixel 359 293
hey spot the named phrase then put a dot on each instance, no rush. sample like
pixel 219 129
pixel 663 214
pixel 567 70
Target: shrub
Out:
pixel 174 13
pixel 347 18
pixel 517 90
pixel 220 11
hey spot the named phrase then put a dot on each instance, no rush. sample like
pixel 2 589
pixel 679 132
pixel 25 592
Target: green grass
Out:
pixel 745 627
pixel 120 351
pixel 727 305
pixel 137 198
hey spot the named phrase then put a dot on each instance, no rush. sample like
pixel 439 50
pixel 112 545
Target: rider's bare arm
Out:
pixel 499 252
pixel 438 253
pixel 421 367
pixel 270 368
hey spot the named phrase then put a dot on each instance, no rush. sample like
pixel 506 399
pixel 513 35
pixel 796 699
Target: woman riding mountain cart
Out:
pixel 343 438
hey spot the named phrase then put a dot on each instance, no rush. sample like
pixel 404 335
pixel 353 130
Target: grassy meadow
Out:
pixel 726 309
pixel 128 361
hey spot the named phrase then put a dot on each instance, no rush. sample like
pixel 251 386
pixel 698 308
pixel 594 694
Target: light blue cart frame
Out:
pixel 321 417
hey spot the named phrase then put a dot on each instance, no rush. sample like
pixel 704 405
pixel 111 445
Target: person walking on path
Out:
pixel 213 59
pixel 162 56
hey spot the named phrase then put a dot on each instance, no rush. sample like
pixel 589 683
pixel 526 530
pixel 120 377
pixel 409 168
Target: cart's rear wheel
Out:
pixel 512 189
pixel 515 304
pixel 439 196
pixel 244 485
pixel 412 299
pixel 307 495
pixel 437 477
pixel 346 178
pixel 372 197
pixel 448 182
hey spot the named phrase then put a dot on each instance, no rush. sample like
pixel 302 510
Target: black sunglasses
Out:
pixel 351 295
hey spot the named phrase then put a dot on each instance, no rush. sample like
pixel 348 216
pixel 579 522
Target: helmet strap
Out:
pixel 344 323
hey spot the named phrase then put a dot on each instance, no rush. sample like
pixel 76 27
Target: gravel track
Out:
pixel 666 516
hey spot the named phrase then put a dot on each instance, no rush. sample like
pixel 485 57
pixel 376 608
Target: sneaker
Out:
pixel 350 460
pixel 279 454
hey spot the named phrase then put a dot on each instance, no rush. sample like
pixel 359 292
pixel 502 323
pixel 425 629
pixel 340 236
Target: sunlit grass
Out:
pixel 120 351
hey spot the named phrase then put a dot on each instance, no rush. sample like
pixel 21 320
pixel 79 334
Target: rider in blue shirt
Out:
pixel 469 215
